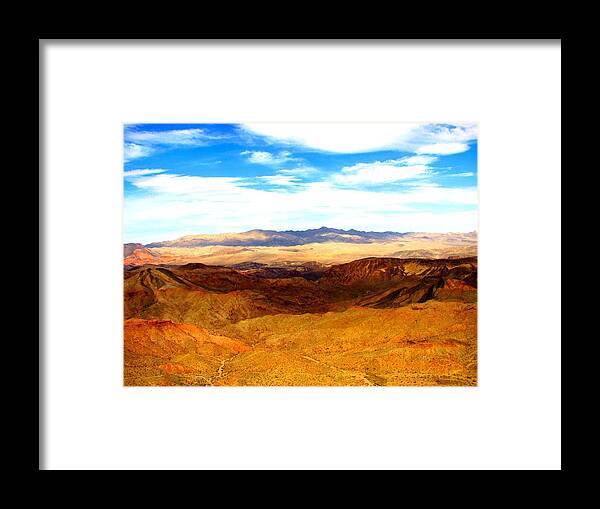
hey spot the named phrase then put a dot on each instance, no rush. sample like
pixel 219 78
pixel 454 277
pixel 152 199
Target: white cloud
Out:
pixel 139 173
pixel 437 195
pixel 443 148
pixel 336 137
pixel 378 173
pixel 171 137
pixel 134 151
pixel 300 170
pixel 464 174
pixel 259 157
pixel 207 163
pixel 186 185
pixel 457 133
pixel 418 160
pixel 193 204
pixel 364 136
pixel 381 172
pixel 421 184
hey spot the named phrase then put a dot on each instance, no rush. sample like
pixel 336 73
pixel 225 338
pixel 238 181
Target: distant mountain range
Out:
pixel 289 250
pixel 297 238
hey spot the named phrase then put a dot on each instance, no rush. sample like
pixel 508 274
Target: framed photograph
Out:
pixel 231 279
pixel 277 255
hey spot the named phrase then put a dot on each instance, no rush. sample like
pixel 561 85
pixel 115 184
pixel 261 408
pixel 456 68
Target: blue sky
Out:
pixel 183 179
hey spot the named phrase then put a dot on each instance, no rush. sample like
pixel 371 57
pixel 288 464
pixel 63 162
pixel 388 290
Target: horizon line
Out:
pixel 304 230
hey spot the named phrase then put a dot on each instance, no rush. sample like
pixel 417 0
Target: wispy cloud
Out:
pixel 443 139
pixel 335 137
pixel 444 133
pixel 280 180
pixel 187 185
pixel 382 172
pixel 207 163
pixel 410 160
pixel 135 151
pixel 139 173
pixel 300 171
pixel 141 143
pixel 378 173
pixel 260 157
pixel 352 138
pixel 463 174
pixel 194 137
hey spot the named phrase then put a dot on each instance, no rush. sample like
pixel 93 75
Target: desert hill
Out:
pixel 309 270
pixel 388 269
pixel 155 349
pixel 277 253
pixel 394 282
pixel 136 254
pixel 434 343
pixel 211 295
pixel 372 321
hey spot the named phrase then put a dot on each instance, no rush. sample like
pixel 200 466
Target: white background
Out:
pixel 511 421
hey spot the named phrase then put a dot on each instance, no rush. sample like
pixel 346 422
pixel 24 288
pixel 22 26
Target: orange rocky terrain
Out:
pixel 372 321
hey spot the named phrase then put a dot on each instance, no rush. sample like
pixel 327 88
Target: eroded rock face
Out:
pixel 373 270
pixel 210 296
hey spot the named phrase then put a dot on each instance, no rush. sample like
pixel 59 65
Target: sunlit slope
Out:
pixel 424 344
pixel 160 352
